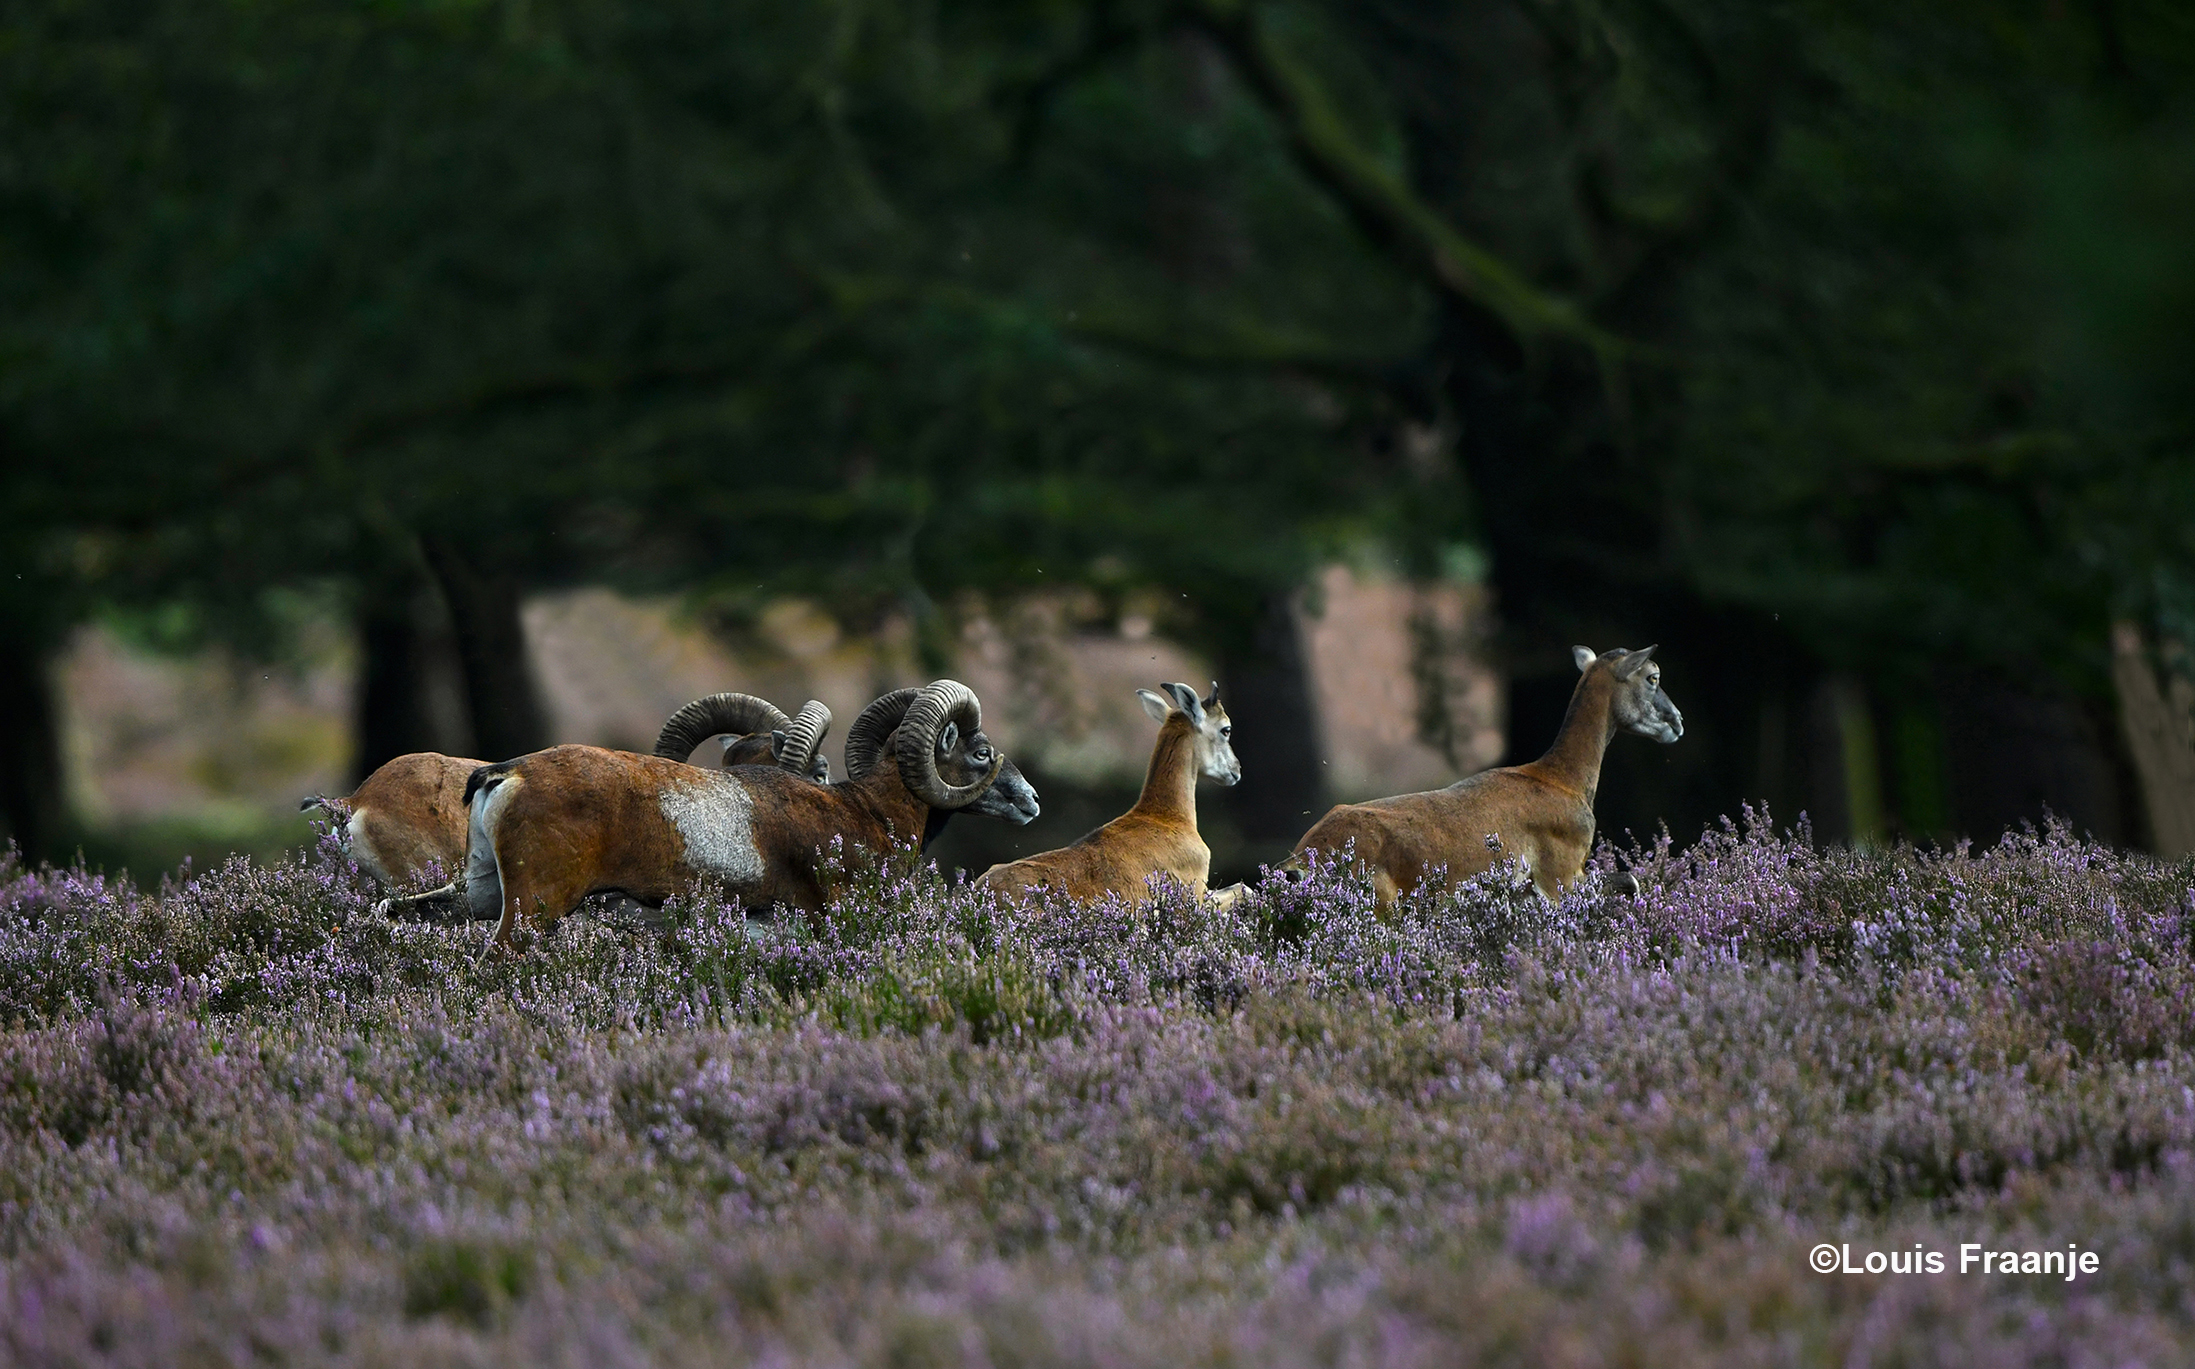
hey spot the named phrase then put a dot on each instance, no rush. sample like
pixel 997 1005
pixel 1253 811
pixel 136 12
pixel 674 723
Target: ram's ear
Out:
pixel 948 738
pixel 1153 705
pixel 777 744
pixel 1584 656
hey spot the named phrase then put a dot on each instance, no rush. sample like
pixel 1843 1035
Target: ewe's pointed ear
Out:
pixel 1153 705
pixel 1584 656
pixel 1185 699
pixel 1211 700
pixel 1635 662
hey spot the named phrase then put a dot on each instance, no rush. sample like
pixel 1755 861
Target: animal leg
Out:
pixel 505 938
pixel 407 906
pixel 1554 868
pixel 550 900
pixel 625 912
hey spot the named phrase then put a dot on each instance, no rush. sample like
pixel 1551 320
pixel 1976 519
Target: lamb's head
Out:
pixel 1208 725
pixel 935 735
pixel 1638 704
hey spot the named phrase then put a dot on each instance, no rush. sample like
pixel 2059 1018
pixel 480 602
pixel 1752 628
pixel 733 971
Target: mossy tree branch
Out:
pixel 1382 204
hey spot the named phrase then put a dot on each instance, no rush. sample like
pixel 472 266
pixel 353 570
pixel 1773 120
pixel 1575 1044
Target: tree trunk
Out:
pixel 1573 532
pixel 404 653
pixel 2160 733
pixel 1265 685
pixel 500 691
pixel 30 751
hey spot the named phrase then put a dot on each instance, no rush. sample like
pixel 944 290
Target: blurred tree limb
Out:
pixel 1381 202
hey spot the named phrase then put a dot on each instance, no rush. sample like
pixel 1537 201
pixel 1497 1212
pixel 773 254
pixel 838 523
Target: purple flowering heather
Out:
pixel 241 1119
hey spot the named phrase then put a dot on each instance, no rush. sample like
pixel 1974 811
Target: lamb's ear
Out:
pixel 1584 656
pixel 1153 705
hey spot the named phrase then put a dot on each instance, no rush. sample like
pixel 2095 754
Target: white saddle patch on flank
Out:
pixel 716 819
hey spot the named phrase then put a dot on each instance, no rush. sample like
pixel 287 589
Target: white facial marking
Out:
pixel 1217 744
pixel 715 815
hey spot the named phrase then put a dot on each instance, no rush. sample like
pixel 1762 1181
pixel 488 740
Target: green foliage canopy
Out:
pixel 1870 320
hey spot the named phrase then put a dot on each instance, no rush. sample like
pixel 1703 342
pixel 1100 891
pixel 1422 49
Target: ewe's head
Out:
pixel 1208 724
pixel 778 748
pixel 755 732
pixel 935 734
pixel 1638 704
pixel 798 746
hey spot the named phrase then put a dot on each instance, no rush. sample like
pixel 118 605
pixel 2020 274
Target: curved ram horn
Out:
pixel 941 702
pixel 802 738
pixel 865 739
pixel 703 718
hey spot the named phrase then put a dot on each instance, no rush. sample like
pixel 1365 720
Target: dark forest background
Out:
pixel 1843 349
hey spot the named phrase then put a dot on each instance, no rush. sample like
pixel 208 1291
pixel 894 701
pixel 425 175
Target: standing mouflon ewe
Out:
pixel 1541 813
pixel 1158 835
pixel 551 828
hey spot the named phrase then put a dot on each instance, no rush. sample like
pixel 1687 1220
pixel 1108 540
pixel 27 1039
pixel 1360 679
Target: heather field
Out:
pixel 244 1121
